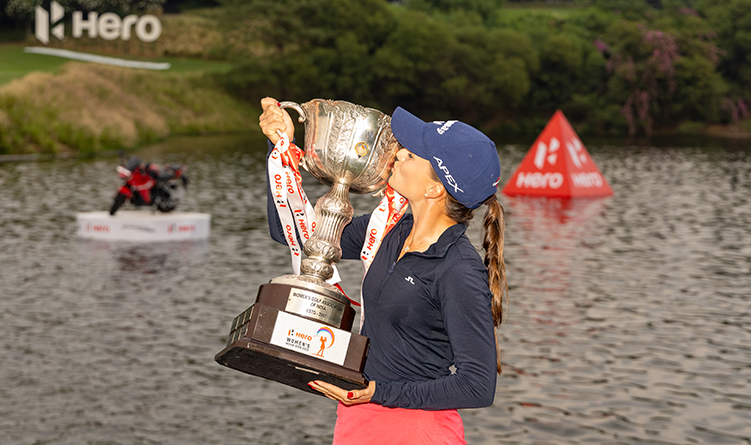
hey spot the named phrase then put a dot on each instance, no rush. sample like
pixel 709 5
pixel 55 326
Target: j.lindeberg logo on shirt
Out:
pixel 411 281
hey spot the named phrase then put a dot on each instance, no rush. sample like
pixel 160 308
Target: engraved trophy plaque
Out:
pixel 298 330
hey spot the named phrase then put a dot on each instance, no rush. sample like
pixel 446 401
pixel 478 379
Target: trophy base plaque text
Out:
pixel 268 342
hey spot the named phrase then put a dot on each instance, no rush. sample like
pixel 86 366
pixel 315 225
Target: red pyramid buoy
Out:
pixel 558 165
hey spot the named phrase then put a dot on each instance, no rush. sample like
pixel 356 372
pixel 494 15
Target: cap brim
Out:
pixel 408 130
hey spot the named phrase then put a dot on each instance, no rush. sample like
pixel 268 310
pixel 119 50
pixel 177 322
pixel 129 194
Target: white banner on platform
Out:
pixel 133 225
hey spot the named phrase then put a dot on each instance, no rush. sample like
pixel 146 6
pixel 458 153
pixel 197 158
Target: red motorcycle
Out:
pixel 148 184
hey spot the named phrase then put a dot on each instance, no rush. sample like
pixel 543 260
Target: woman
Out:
pixel 432 303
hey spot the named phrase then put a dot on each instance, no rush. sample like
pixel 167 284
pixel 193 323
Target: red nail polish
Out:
pixel 350 395
pixel 278 104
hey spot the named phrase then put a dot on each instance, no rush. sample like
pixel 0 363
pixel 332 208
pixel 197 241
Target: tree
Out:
pixel 413 64
pixel 309 48
pixel 663 69
pixel 493 71
pixel 731 20
pixel 484 10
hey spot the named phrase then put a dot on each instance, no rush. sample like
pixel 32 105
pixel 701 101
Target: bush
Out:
pixel 89 108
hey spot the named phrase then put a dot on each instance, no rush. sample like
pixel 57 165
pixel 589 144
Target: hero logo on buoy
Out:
pixel 557 165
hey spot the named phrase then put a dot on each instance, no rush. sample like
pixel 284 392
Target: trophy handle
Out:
pixel 295 106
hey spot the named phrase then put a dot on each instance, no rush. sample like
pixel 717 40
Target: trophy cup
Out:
pixel 298 330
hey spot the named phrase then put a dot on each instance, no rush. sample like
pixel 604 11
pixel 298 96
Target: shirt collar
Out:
pixel 447 239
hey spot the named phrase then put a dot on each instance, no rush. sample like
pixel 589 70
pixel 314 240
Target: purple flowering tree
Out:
pixel 662 70
pixel 643 69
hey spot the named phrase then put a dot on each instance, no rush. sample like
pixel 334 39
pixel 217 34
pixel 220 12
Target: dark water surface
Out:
pixel 629 320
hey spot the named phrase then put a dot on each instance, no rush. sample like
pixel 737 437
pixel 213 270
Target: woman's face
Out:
pixel 412 175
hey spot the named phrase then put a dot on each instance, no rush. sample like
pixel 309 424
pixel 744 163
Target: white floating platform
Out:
pixel 143 226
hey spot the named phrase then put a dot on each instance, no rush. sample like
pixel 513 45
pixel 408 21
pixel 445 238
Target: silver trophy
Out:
pixel 348 147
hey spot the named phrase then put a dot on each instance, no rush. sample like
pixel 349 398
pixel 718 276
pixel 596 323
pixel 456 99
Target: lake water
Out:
pixel 629 320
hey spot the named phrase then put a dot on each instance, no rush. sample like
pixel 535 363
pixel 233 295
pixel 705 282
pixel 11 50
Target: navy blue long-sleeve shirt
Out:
pixel 424 313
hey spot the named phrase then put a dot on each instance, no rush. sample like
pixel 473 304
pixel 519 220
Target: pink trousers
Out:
pixel 371 424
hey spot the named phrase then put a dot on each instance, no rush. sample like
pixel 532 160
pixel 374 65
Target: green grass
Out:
pixel 14 63
pixel 183 65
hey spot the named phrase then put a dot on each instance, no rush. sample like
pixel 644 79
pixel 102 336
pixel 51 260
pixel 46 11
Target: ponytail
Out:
pixel 494 226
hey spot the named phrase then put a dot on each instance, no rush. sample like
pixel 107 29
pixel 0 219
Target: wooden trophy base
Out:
pixel 264 341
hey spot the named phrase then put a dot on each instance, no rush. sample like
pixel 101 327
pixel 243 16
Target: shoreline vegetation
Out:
pixel 616 68
pixel 86 109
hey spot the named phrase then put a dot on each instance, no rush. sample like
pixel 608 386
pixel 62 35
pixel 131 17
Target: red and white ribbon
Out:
pixel 292 205
pixel 298 217
pixel 389 211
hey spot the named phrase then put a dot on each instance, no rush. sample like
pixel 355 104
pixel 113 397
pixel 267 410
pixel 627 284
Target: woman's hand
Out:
pixel 342 395
pixel 275 119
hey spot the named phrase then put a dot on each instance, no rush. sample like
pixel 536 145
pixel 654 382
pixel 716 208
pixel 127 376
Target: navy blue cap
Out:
pixel 463 157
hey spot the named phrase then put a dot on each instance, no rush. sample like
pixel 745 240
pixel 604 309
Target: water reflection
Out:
pixel 629 320
pixel 548 236
pixel 154 258
pixel 554 215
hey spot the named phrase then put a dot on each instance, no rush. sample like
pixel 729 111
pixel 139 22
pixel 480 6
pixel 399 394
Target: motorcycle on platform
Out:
pixel 148 184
